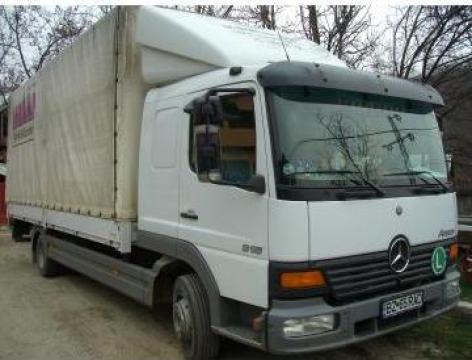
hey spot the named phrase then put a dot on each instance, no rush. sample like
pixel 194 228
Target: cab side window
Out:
pixel 231 142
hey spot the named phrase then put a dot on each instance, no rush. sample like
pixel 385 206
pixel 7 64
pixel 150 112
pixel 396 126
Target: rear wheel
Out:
pixel 19 230
pixel 46 266
pixel 191 317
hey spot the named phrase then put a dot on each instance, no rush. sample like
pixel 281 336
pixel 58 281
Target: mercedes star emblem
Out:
pixel 399 254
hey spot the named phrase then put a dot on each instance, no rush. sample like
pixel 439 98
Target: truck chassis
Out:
pixel 117 234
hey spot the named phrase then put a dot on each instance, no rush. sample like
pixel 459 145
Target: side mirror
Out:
pixel 207 157
pixel 217 106
pixel 212 111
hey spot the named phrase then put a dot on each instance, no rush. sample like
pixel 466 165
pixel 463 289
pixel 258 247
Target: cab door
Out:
pixel 227 223
pixel 159 167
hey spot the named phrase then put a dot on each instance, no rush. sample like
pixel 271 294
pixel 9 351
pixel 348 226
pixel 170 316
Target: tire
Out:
pixel 18 231
pixel 16 236
pixel 46 266
pixel 191 317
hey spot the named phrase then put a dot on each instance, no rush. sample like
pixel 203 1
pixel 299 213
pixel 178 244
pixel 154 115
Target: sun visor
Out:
pixel 327 76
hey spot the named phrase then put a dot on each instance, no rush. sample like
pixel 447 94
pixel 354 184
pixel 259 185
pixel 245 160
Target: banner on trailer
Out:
pixel 23 115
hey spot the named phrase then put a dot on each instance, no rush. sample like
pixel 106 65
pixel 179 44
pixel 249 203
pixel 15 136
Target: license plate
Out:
pixel 402 304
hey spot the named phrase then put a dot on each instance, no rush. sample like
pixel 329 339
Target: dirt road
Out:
pixel 72 317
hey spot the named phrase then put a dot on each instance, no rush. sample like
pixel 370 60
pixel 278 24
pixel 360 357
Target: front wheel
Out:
pixel 191 317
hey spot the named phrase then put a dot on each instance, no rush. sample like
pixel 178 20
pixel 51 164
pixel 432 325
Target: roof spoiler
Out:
pixel 319 75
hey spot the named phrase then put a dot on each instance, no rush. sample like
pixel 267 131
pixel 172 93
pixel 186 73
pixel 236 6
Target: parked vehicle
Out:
pixel 273 195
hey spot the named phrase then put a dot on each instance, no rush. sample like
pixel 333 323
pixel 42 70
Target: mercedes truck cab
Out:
pixel 316 194
pixel 281 199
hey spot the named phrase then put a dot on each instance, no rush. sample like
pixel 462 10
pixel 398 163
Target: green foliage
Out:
pixel 466 292
pixel 450 336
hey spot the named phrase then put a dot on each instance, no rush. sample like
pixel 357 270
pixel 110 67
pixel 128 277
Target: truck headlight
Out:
pixel 313 325
pixel 453 289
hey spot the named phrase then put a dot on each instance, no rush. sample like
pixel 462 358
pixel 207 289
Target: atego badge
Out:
pixel 438 261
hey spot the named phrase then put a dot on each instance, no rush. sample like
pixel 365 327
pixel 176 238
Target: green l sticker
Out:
pixel 438 260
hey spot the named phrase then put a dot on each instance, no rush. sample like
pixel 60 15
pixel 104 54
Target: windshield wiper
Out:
pixel 357 193
pixel 361 193
pixel 378 191
pixel 421 172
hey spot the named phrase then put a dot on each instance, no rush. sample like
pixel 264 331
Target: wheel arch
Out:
pixel 180 257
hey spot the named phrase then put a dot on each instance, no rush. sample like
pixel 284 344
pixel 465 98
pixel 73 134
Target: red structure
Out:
pixel 3 160
pixel 3 205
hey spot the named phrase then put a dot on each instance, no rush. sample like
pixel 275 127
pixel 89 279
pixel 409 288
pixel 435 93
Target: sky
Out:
pixel 380 11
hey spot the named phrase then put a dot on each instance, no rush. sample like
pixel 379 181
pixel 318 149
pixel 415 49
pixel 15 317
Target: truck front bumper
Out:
pixel 356 321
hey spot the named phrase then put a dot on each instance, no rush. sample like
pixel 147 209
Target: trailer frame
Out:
pixel 118 234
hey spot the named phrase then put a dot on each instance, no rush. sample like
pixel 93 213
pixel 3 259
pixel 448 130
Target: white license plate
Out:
pixel 402 304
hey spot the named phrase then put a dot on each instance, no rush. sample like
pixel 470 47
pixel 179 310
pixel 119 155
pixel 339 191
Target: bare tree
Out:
pixel 431 41
pixel 33 35
pixel 105 9
pixel 345 30
pixel 6 45
pixel 433 44
pixel 266 14
pixel 223 11
pixel 309 20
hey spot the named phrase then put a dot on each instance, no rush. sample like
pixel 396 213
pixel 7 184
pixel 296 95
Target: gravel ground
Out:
pixel 73 317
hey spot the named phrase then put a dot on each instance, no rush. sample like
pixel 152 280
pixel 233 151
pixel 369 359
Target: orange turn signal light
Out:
pixel 302 279
pixel 453 252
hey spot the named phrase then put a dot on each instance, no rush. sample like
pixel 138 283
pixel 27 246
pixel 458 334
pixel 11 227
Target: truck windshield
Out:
pixel 328 138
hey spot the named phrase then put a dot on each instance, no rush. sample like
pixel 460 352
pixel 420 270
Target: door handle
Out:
pixel 190 214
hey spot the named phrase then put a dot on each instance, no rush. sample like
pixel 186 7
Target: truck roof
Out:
pixel 305 74
pixel 203 81
pixel 178 44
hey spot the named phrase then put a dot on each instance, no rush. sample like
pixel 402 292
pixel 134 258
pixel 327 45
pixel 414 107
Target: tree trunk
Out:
pixel 313 23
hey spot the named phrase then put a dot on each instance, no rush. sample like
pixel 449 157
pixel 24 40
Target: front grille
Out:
pixel 361 277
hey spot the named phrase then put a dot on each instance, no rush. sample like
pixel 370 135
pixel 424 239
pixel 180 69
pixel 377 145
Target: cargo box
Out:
pixel 75 126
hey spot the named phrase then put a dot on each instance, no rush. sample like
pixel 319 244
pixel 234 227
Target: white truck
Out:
pixel 273 195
